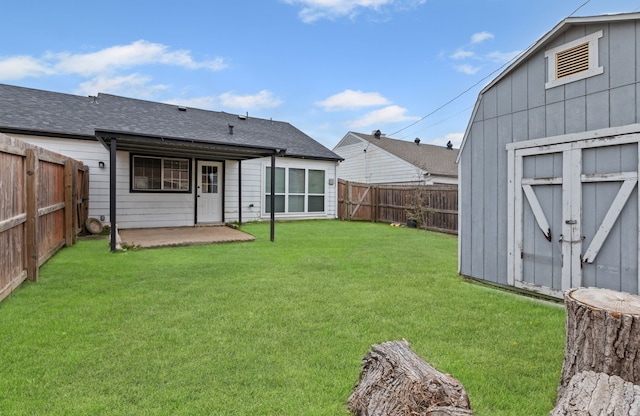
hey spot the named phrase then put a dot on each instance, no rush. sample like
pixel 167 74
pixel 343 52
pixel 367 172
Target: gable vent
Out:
pixel 572 61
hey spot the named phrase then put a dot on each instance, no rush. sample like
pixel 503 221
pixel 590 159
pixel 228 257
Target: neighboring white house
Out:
pixel 377 159
pixel 549 164
pixel 177 166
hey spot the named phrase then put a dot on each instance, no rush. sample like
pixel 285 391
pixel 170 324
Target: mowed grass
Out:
pixel 266 328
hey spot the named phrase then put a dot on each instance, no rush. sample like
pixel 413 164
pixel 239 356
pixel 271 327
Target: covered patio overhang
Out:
pixel 185 147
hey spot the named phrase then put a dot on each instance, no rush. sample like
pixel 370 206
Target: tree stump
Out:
pixel 394 381
pixel 603 334
pixel 590 393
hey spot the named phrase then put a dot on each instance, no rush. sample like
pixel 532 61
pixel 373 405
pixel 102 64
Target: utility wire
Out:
pixel 442 121
pixel 457 96
pixel 581 6
pixel 480 81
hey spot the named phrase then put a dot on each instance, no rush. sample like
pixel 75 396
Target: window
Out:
pixel 279 193
pixel 316 190
pixel 209 179
pixel 573 61
pixel 157 174
pixel 296 190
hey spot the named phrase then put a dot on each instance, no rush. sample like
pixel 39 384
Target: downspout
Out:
pixel 112 193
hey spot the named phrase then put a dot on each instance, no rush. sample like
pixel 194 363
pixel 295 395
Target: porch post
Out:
pixel 240 192
pixel 112 192
pixel 273 196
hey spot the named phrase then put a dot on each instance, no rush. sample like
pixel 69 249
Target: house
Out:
pixel 161 165
pixel 377 159
pixel 549 163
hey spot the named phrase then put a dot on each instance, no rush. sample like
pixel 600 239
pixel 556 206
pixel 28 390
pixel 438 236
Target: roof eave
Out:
pixel 45 133
pixel 140 142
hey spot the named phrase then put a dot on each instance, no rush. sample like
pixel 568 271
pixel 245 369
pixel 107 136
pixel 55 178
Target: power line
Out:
pixel 581 6
pixel 480 81
pixel 443 120
pixel 457 96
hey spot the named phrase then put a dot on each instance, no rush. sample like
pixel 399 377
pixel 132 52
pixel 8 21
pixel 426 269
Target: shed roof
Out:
pixel 44 112
pixel 431 158
pixel 541 43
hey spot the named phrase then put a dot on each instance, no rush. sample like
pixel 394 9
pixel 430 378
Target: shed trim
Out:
pixel 611 132
pixel 574 63
pixel 560 27
pixel 519 188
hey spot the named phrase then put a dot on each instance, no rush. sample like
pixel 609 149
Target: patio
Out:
pixel 181 236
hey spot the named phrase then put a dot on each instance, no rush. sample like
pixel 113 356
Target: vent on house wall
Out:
pixel 572 61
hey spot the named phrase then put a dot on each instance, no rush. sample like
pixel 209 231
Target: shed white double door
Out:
pixel 574 215
pixel 209 192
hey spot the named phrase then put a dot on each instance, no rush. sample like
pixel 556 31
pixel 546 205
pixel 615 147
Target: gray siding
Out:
pixel 621 250
pixel 518 108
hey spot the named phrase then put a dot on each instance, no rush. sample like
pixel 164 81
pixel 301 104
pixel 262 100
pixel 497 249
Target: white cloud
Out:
pixel 350 99
pixel 131 85
pixel 263 99
pixel 470 53
pixel 502 57
pixel 313 10
pixel 389 114
pixel 104 62
pixel 467 69
pixel 208 102
pixel 134 54
pixel 481 37
pixel 462 54
pixel 18 67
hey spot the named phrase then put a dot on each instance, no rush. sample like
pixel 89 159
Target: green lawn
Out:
pixel 265 328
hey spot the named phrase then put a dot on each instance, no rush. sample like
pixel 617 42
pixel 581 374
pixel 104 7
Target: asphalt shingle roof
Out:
pixel 433 159
pixel 64 114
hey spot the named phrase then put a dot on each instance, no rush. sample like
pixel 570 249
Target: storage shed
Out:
pixel 548 167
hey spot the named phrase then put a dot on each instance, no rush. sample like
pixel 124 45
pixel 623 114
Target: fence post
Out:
pixel 32 248
pixel 68 203
pixel 85 195
pixel 374 202
pixel 75 189
pixel 348 201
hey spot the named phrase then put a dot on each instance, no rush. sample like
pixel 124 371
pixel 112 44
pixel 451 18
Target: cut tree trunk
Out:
pixel 394 381
pixel 590 393
pixel 603 334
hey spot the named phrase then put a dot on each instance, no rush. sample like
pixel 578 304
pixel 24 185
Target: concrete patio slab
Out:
pixel 181 236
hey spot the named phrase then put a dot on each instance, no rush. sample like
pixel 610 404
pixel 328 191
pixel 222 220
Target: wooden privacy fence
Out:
pixel 390 203
pixel 44 200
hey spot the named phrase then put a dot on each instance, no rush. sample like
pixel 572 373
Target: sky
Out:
pixel 410 68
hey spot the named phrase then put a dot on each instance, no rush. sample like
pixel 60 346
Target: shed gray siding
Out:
pixel 516 108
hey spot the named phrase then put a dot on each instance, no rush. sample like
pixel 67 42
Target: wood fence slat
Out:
pixel 40 193
pixel 68 200
pixel 32 215
pixel 388 203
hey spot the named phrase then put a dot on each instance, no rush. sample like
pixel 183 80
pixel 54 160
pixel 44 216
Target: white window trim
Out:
pixel 134 188
pixel 286 193
pixel 593 70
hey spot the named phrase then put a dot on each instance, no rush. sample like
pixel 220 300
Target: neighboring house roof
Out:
pixel 43 112
pixel 433 159
pixel 560 28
